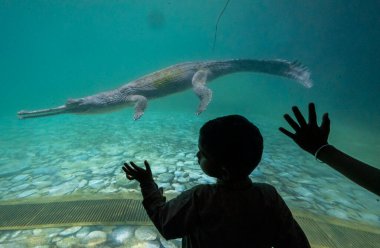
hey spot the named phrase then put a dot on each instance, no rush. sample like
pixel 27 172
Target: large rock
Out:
pixel 95 238
pixel 70 231
pixel 146 233
pixel 165 177
pixel 167 244
pixel 67 242
pixel 120 235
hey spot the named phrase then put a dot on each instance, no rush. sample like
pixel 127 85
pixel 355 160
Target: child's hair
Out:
pixel 234 142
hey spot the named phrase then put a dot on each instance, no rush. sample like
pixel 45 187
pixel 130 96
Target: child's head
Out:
pixel 230 147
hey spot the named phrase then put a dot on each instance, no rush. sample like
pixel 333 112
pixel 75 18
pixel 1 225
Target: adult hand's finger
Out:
pixel 291 122
pixel 297 113
pixel 325 126
pixel 287 133
pixel 312 114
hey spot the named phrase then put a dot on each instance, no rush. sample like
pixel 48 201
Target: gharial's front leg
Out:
pixel 140 105
pixel 200 89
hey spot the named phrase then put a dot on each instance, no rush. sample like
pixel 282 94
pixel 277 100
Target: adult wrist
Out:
pixel 320 149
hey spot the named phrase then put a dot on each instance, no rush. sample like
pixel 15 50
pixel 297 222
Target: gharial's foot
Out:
pixel 200 89
pixel 141 103
pixel 205 96
pixel 138 115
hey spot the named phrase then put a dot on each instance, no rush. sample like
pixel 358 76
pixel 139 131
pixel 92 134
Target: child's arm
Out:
pixel 313 139
pixel 173 219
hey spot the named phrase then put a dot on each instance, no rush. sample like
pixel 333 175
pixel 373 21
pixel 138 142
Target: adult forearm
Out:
pixel 359 172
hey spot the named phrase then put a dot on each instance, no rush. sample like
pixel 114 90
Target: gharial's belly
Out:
pixel 101 107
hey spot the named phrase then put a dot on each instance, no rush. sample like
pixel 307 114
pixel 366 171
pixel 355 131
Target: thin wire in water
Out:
pixel 217 23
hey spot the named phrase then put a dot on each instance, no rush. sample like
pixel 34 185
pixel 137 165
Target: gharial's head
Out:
pixel 230 147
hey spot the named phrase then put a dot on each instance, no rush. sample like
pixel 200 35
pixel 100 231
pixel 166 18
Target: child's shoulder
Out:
pixel 268 192
pixel 264 186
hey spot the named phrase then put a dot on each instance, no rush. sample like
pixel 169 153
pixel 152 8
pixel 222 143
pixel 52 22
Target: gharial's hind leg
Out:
pixel 140 105
pixel 200 89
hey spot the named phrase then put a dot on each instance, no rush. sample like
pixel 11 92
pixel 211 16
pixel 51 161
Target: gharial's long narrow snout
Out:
pixel 41 112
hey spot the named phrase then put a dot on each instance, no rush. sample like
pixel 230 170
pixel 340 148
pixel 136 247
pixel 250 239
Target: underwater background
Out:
pixel 54 50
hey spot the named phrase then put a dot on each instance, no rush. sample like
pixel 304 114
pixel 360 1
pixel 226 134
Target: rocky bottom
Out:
pixel 94 236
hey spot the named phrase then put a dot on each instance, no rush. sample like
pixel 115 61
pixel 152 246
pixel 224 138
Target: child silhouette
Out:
pixel 234 212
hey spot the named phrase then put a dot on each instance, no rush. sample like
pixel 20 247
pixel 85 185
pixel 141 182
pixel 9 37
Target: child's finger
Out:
pixel 138 169
pixel 128 169
pixel 128 174
pixel 147 167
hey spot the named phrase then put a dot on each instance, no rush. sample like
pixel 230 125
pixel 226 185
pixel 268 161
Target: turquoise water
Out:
pixel 54 50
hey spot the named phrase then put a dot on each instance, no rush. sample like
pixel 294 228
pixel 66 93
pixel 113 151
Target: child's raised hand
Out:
pixel 132 171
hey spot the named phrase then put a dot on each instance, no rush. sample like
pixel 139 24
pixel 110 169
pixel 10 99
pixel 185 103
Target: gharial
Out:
pixel 170 80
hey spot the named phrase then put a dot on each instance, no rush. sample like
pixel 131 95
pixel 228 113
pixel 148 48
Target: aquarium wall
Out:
pixel 52 51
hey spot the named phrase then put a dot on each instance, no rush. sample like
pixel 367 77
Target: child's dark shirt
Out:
pixel 240 214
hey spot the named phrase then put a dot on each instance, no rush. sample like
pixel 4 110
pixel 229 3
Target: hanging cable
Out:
pixel 217 23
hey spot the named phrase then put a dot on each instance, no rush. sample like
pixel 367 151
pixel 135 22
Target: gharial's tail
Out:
pixel 42 112
pixel 292 70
